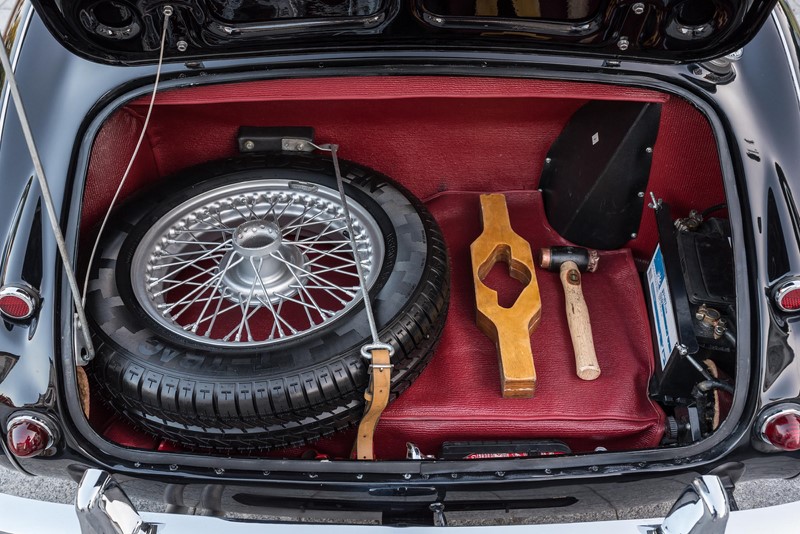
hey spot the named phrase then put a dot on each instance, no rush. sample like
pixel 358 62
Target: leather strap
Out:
pixel 377 397
pixel 83 389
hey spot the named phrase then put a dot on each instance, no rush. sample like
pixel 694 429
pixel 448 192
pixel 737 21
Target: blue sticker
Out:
pixel 661 304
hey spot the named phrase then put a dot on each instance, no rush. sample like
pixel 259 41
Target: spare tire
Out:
pixel 225 303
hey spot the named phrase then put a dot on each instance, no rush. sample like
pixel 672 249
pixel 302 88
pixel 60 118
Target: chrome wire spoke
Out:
pixel 319 279
pixel 216 290
pixel 189 262
pixel 255 263
pixel 180 283
pixel 201 258
pixel 292 224
pixel 199 289
pixel 275 323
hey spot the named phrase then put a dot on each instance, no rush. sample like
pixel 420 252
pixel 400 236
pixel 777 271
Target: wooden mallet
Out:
pixel 570 262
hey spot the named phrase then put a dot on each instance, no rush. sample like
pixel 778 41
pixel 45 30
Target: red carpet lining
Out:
pixel 447 139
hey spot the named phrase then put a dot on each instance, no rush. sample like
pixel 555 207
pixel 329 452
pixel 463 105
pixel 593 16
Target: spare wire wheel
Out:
pixel 226 304
pixel 255 263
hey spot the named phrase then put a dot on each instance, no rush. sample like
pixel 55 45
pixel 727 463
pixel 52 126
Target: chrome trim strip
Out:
pixel 787 51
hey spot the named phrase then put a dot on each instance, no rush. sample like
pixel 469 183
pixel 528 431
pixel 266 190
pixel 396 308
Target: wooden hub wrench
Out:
pixel 570 261
pixel 510 328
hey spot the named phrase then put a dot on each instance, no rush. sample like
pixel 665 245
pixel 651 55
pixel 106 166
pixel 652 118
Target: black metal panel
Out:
pixel 707 264
pixel 126 31
pixel 596 172
pixel 677 377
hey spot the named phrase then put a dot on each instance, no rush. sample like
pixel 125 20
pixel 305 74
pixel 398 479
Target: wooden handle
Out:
pixel 580 329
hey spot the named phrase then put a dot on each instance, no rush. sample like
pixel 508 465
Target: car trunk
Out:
pixel 448 140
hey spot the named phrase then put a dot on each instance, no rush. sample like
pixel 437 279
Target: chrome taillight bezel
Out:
pixel 768 415
pixel 25 294
pixel 780 292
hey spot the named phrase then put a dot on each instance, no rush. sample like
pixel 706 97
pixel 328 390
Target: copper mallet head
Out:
pixel 552 258
pixel 570 262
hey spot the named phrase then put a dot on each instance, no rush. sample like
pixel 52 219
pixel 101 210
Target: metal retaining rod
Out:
pixel 79 299
pixel 52 217
pixel 366 350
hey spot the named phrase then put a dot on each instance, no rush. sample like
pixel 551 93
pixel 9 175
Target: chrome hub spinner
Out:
pixel 262 265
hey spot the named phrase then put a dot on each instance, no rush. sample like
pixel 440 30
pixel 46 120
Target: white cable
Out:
pixel 167 14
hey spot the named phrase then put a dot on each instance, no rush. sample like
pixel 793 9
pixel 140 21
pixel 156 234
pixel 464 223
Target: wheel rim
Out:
pixel 255 263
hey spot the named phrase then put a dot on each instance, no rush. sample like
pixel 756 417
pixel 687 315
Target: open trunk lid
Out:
pixel 122 31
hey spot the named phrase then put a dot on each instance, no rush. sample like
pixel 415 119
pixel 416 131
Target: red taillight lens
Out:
pixel 16 302
pixel 787 297
pixel 28 437
pixel 783 431
pixel 791 300
pixel 14 307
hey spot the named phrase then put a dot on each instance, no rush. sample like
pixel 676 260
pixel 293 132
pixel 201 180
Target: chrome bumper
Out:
pixel 102 507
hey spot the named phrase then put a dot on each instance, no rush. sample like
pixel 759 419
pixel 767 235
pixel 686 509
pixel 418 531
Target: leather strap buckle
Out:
pixel 377 397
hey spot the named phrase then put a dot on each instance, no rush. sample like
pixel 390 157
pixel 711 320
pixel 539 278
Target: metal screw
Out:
pixel 173 467
pixel 547 160
pixel 249 145
pixel 638 8
pixel 500 473
pixel 182 46
pixel 454 475
pixel 219 470
pixel 266 473
pixel 137 464
pixel 623 43
pixel 438 20
pixel 407 476
pixel 649 150
pixel 594 469
pixel 359 476
pixel 655 204
pixel 168 11
pixel 548 471
pixel 640 194
pixel 634 235
pixel 682 350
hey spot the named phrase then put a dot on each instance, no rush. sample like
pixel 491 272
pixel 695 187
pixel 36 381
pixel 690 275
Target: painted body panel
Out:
pixel 755 115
